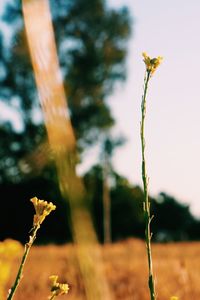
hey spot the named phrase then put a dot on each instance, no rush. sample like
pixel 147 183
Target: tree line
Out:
pixel 173 220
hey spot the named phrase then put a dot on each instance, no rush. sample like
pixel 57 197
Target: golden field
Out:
pixel 176 268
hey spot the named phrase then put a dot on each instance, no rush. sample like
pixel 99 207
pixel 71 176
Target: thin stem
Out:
pixel 147 214
pixel 20 271
pixel 52 297
pixel 106 202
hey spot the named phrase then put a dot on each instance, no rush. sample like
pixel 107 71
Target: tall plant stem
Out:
pixel 147 213
pixel 21 268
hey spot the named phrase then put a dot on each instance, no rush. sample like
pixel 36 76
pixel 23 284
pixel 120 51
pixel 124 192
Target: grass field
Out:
pixel 176 268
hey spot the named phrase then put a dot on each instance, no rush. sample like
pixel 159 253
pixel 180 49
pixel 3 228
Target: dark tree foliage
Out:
pixel 126 205
pixel 127 210
pixel 16 215
pixel 92 46
pixel 173 220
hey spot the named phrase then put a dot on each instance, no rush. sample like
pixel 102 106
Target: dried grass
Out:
pixel 176 267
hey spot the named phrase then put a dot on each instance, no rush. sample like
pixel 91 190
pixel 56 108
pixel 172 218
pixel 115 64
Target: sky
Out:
pixel 169 29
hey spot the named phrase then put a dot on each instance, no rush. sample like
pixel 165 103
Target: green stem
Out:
pixel 52 297
pixel 147 214
pixel 20 271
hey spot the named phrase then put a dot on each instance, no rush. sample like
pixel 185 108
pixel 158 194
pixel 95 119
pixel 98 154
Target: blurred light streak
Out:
pixel 42 47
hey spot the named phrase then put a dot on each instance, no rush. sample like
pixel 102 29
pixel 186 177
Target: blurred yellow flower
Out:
pixel 174 298
pixel 58 289
pixel 9 250
pixel 42 209
pixel 151 63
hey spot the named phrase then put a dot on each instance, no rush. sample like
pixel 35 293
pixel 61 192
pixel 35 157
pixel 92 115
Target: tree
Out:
pixel 125 203
pixel 91 42
pixel 108 147
pixel 173 221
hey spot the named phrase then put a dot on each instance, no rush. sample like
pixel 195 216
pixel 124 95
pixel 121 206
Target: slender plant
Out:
pixel 42 209
pixel 151 65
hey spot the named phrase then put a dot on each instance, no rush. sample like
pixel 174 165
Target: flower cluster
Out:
pixel 151 63
pixel 57 288
pixel 42 209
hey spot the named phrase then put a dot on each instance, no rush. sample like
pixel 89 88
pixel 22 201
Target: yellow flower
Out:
pixel 58 289
pixel 10 248
pixel 151 63
pixel 174 298
pixel 42 209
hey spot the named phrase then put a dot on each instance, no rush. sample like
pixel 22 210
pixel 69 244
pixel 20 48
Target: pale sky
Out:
pixel 169 29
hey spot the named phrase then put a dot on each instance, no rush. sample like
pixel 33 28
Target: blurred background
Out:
pixel 99 45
